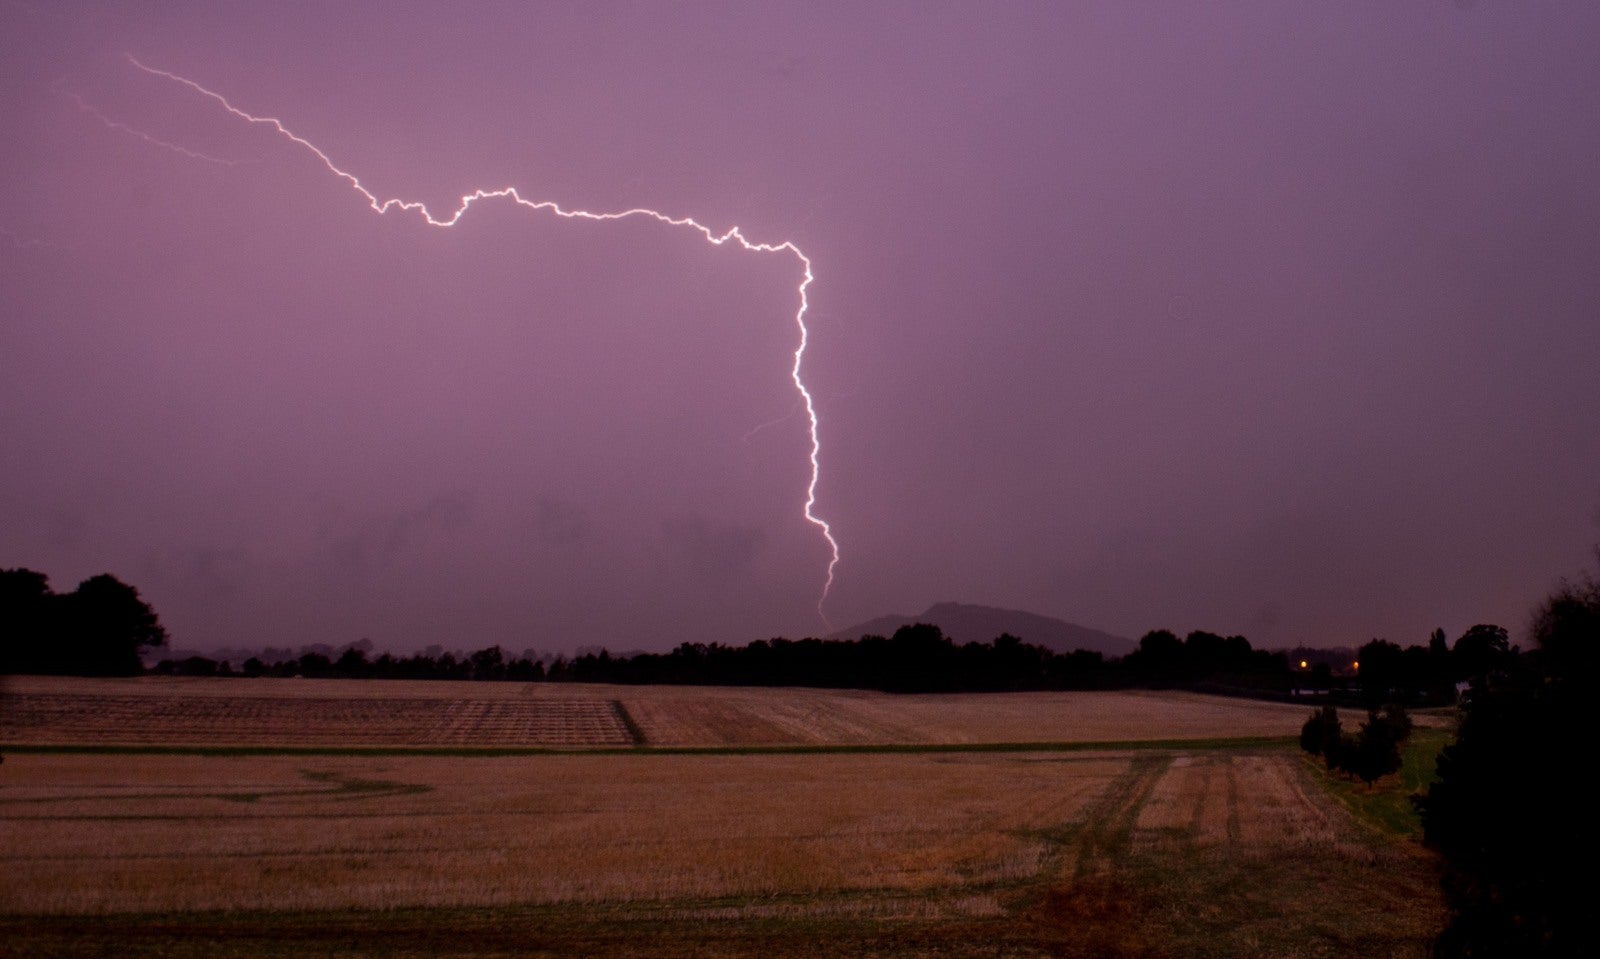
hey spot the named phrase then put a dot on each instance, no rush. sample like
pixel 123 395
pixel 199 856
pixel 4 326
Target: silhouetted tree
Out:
pixel 1381 671
pixel 1321 678
pixel 525 669
pixel 352 664
pixel 1438 643
pixel 1336 752
pixel 1511 812
pixel 1159 658
pixel 1479 650
pixel 26 620
pixel 1374 753
pixel 105 626
pixel 1320 731
pixel 488 663
pixel 193 666
pixel 1439 673
pixel 98 629
pixel 1398 721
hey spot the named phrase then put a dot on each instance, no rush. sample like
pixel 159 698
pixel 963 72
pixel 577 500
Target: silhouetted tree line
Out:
pixel 917 658
pixel 354 663
pixel 1379 673
pixel 1428 674
pixel 1204 659
pixel 103 627
pixel 99 629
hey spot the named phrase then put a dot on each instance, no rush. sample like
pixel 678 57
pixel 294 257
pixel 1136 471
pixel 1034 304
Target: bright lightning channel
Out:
pixel 547 206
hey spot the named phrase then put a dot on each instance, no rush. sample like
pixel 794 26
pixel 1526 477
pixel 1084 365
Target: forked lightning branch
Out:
pixel 546 206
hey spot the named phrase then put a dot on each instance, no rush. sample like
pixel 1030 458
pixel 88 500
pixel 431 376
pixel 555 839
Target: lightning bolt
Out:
pixel 121 127
pixel 711 236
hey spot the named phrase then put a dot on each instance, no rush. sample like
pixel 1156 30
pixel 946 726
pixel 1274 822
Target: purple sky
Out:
pixel 1280 319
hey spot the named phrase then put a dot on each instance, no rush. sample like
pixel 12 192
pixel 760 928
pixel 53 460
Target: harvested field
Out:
pixel 309 721
pixel 203 832
pixel 1247 800
pixel 295 712
pixel 1092 854
pixel 1165 849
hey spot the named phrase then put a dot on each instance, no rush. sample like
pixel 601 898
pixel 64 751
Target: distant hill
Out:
pixel 965 623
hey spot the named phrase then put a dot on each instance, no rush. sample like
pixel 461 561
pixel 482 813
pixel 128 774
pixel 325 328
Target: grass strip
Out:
pixel 1386 804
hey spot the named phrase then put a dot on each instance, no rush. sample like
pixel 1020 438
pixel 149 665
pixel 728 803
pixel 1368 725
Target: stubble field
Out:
pixel 1137 824
pixel 167 712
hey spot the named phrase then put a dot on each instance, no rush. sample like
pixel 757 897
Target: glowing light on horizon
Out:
pixel 383 206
